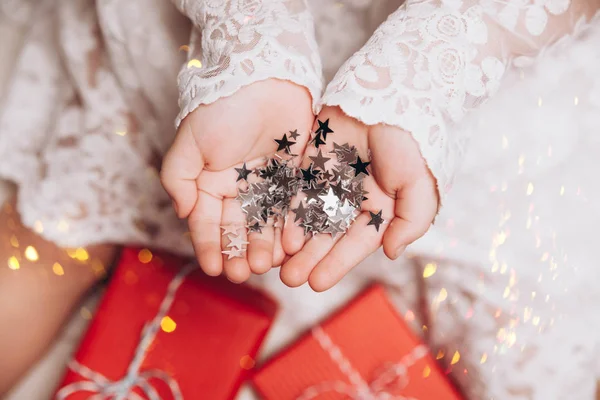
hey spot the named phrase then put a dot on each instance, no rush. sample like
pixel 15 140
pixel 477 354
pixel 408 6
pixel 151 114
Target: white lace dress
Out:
pixel 507 297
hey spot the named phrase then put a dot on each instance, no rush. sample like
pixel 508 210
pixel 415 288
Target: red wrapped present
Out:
pixel 364 352
pixel 166 331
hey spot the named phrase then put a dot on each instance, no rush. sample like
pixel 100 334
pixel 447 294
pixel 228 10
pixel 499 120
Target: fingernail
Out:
pixel 399 251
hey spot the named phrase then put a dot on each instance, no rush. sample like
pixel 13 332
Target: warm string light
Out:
pixel 28 253
pixel 167 324
pixel 13 263
pixel 58 269
pixel 31 254
pixel 79 254
pixel 429 270
pixel 455 358
pixel 426 371
pixel 247 362
pixel 194 63
pixel 145 256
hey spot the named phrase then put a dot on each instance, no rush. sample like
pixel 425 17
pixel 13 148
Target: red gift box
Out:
pixel 363 352
pixel 159 332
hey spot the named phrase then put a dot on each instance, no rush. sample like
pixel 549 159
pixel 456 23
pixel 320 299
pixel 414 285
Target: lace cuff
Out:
pixel 236 43
pixel 433 60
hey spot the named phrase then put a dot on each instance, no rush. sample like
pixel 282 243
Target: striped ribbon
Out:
pixel 105 389
pixel 358 388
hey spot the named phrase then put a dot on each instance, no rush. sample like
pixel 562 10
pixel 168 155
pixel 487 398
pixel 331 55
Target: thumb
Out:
pixel 415 208
pixel 181 166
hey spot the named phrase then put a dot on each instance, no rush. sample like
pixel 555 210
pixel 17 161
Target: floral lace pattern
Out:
pixel 82 147
pixel 432 61
pixel 236 43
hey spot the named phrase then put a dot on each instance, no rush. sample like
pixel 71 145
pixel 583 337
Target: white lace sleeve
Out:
pixel 433 60
pixel 236 43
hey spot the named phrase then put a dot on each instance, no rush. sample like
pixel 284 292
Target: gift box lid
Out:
pixel 211 333
pixel 364 344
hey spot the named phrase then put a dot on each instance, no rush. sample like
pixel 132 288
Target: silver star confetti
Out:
pixel 237 242
pixel 376 219
pixel 333 195
pixel 235 248
pixel 234 253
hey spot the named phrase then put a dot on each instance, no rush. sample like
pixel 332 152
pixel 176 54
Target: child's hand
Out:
pixel 199 170
pixel 399 184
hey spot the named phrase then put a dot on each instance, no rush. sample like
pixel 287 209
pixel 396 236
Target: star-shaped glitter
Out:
pixel 324 128
pixel 309 174
pixel 294 134
pixel 326 175
pixel 318 140
pixel 320 224
pixel 330 202
pixel 340 147
pixel 243 173
pixel 265 173
pixel 237 241
pixel 334 228
pixel 230 229
pixel 346 208
pixel 339 189
pixel 319 160
pixel 345 153
pixel 308 227
pixel 360 167
pixel 254 211
pixel 234 253
pixel 284 144
pixel 245 197
pixel 333 195
pixel 301 212
pixel 376 220
pixel 342 172
pixel 286 181
pixel 357 194
pixel 255 228
pixel 313 192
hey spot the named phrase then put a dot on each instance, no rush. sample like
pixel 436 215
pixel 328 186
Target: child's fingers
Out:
pixel 235 262
pixel 181 167
pixel 360 241
pixel 278 252
pixel 260 250
pixel 415 209
pixel 204 223
pixel 296 270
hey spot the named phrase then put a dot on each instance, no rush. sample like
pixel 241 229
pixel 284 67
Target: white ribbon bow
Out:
pixel 358 389
pixel 122 389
